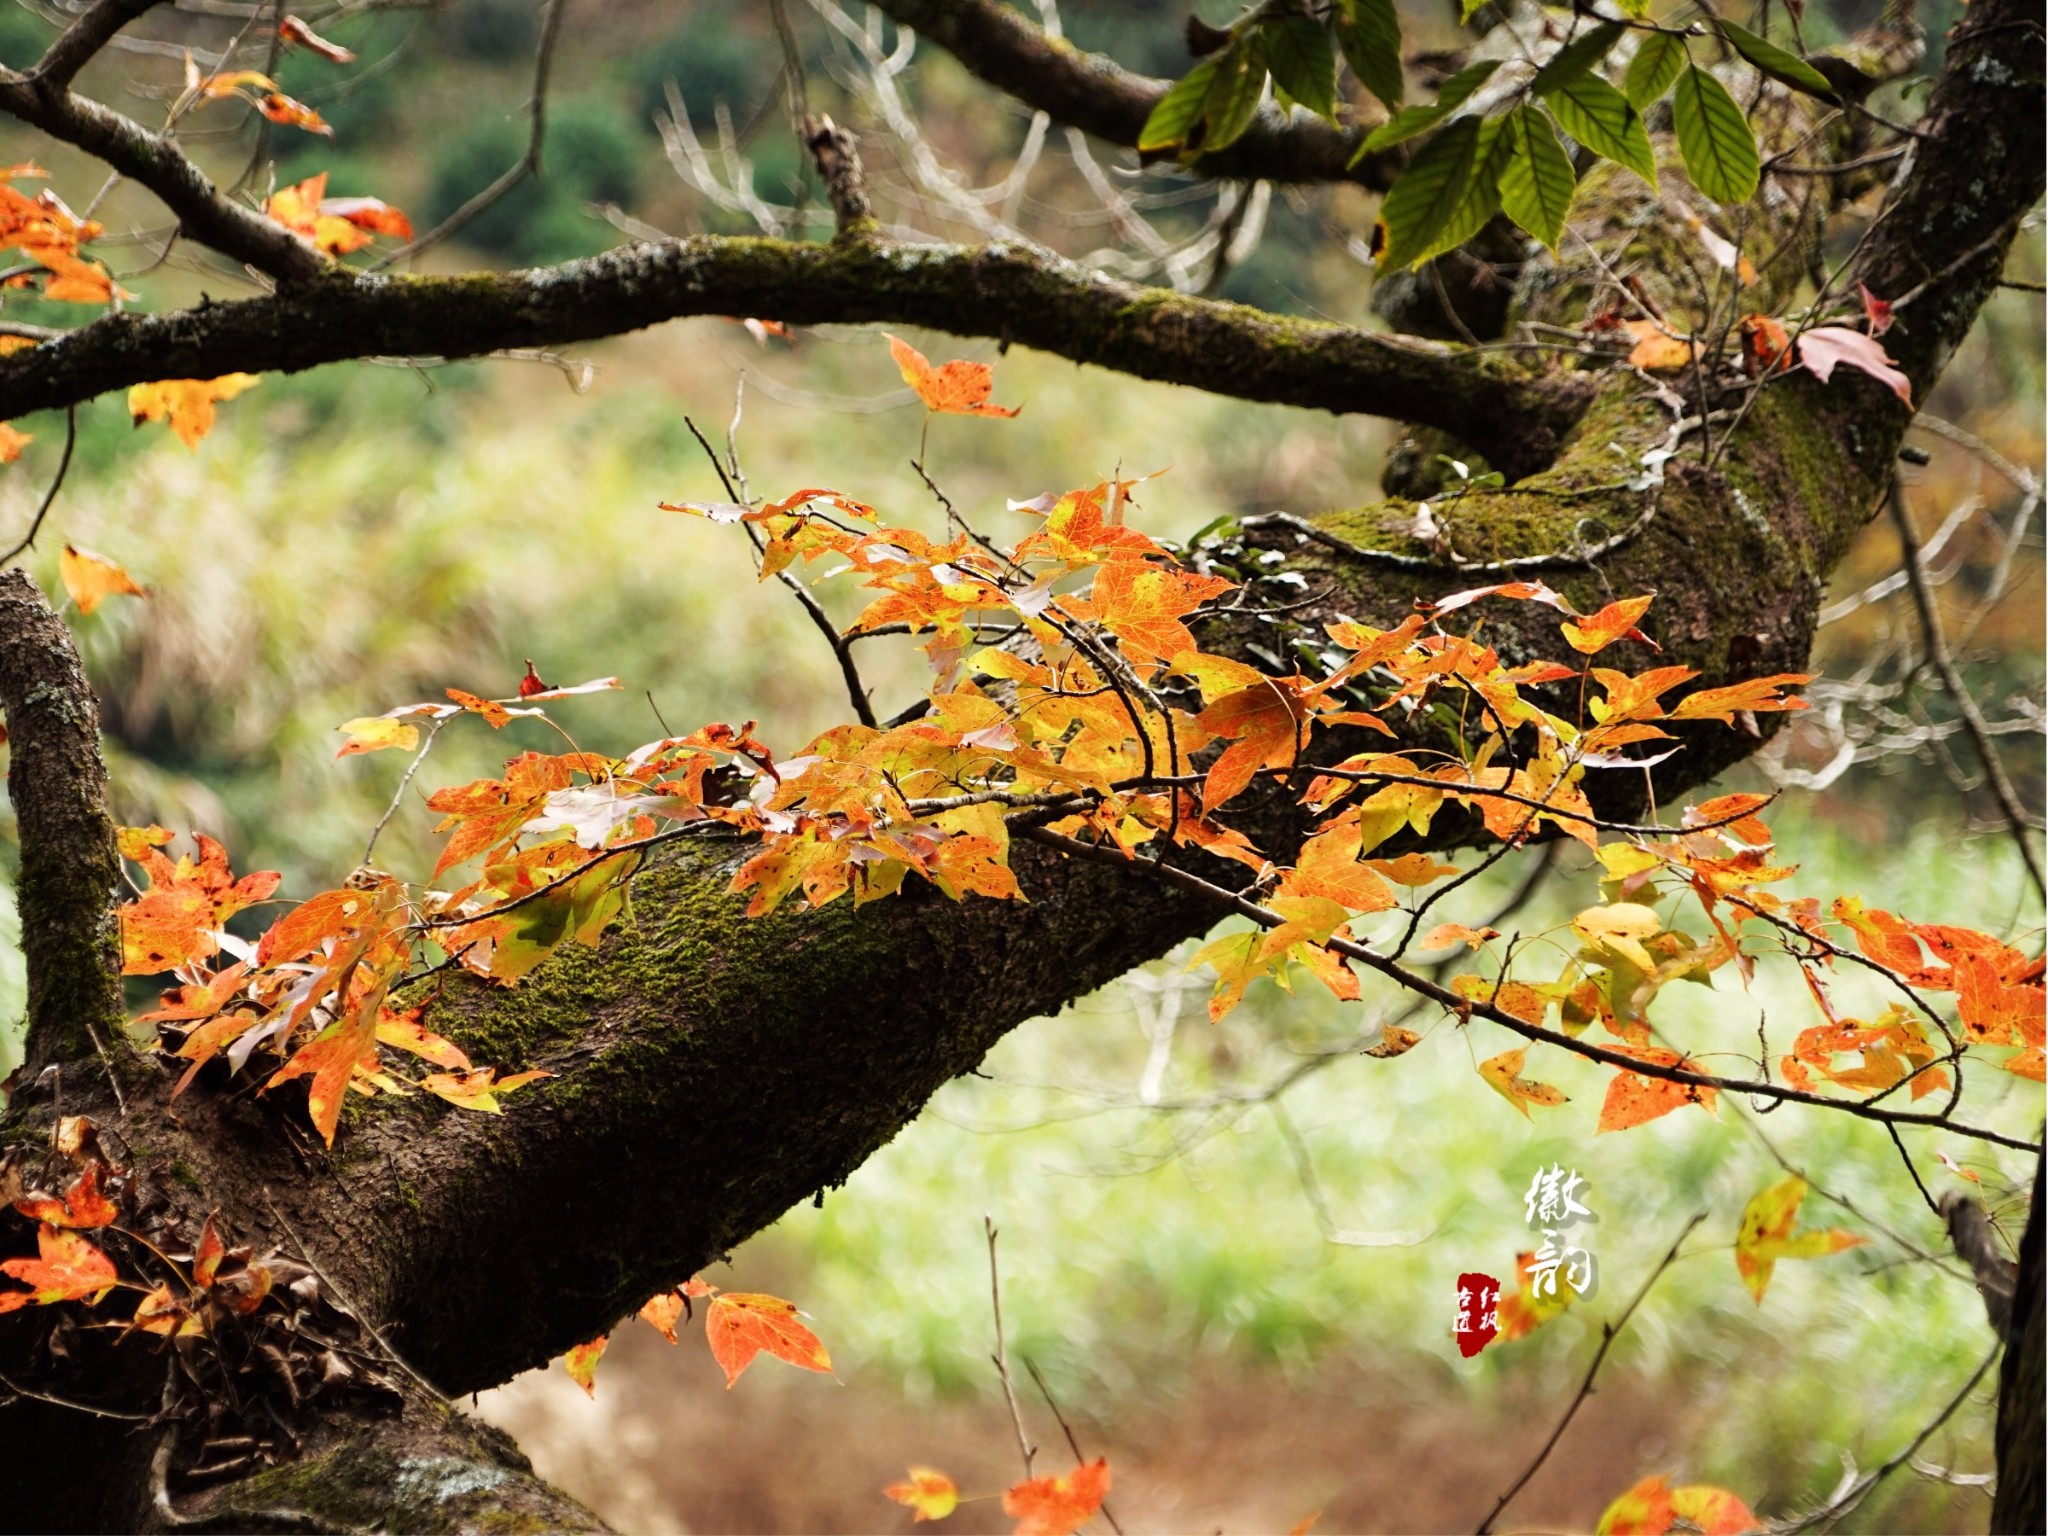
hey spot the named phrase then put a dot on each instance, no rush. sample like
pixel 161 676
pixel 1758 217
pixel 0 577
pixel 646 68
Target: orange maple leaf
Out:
pixel 1634 1099
pixel 82 1206
pixel 660 1313
pixel 929 1493
pixel 332 1057
pixel 187 404
pixel 740 1325
pixel 337 225
pixel 1656 348
pixel 1058 1506
pixel 957 388
pixel 1266 721
pixel 91 578
pixel 581 1363
pixel 67 1268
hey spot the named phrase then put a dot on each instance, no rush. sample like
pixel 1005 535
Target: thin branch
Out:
pixel 35 526
pixel 1008 292
pixel 76 46
pixel 1609 1332
pixel 1844 1500
pixel 1001 1356
pixel 528 164
pixel 842 645
pixel 2016 818
pixel 1072 1444
pixel 1453 1002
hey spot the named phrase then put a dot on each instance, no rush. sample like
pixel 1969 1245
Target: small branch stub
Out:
pixel 846 184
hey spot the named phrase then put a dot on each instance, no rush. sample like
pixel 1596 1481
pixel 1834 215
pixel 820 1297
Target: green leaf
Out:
pixel 1634 10
pixel 1714 137
pixel 1467 9
pixel 1576 57
pixel 1481 198
pixel 1369 32
pixel 1599 117
pixel 1179 109
pixel 1234 96
pixel 1658 62
pixel 1537 182
pixel 1774 61
pixel 1410 121
pixel 1428 192
pixel 1304 65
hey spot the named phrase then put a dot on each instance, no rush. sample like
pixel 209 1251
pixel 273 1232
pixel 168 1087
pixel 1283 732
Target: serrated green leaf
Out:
pixel 1179 109
pixel 1658 62
pixel 1599 117
pixel 1369 32
pixel 1775 61
pixel 1481 198
pixel 1410 121
pixel 1234 96
pixel 1536 181
pixel 1576 57
pixel 1297 50
pixel 1428 192
pixel 1714 137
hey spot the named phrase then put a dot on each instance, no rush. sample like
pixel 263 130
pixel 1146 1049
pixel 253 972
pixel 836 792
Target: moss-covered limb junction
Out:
pixel 1101 97
pixel 1009 292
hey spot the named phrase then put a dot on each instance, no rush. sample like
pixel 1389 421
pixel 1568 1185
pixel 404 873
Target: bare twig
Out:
pixel 2016 818
pixel 1072 1444
pixel 1609 1332
pixel 35 526
pixel 528 164
pixel 1001 1356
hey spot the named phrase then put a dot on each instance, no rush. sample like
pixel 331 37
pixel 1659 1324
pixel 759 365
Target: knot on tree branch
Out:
pixel 846 184
pixel 70 868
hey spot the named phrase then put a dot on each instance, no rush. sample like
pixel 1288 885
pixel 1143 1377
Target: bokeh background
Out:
pixel 1241 1295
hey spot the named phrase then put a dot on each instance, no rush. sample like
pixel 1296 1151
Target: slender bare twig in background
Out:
pixel 1966 705
pixel 1609 1332
pixel 1002 1356
pixel 1072 1444
pixel 50 496
pixel 528 164
pixel 842 646
pixel 399 793
pixel 1854 1488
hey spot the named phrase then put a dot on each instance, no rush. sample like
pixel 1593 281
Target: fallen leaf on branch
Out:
pixel 1822 349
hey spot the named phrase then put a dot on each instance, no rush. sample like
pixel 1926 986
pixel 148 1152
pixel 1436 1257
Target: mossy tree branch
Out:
pixel 1013 293
pixel 1100 97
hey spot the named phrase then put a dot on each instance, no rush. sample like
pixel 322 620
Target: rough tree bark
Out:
pixel 714 1071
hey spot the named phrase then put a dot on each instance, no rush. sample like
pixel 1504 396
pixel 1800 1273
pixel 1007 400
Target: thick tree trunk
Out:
pixel 2020 1507
pixel 713 1071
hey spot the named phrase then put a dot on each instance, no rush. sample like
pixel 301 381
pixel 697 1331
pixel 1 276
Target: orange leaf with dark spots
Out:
pixel 741 1325
pixel 954 389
